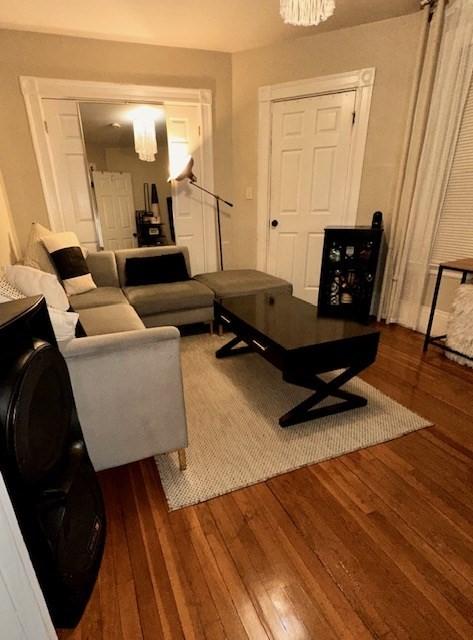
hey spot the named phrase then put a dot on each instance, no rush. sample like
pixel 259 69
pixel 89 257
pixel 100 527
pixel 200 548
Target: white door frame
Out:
pixel 23 611
pixel 362 82
pixel 36 89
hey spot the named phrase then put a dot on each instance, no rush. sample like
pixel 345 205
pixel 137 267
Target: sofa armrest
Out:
pixel 129 395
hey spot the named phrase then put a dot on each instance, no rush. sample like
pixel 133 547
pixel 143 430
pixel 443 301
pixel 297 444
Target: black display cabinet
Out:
pixel 148 233
pixel 352 269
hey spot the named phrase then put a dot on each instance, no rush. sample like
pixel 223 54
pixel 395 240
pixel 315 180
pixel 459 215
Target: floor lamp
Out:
pixel 187 173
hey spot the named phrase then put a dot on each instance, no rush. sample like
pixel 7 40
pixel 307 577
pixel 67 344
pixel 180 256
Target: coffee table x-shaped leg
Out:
pixel 308 409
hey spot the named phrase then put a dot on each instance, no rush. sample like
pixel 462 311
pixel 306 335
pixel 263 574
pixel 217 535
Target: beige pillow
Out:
pixel 36 254
pixel 68 258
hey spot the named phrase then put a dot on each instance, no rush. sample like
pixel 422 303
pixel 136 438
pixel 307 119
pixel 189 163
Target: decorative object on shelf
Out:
pixel 352 265
pixel 146 199
pixel 144 132
pixel 155 204
pixel 188 174
pixel 306 13
pixel 377 221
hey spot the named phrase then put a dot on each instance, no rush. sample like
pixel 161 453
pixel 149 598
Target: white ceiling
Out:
pixel 97 119
pixel 221 25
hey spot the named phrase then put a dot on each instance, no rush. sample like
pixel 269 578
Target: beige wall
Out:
pixel 390 46
pixel 96 155
pixel 24 53
pixel 8 242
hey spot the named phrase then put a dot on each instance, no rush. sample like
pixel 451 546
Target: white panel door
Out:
pixel 116 209
pixel 310 148
pixel 70 169
pixel 183 129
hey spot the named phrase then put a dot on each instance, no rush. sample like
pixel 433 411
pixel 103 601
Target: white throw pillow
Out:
pixel 68 258
pixel 8 291
pixel 32 282
pixel 64 323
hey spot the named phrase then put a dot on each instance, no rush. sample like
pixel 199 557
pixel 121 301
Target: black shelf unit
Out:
pixel 149 234
pixel 352 269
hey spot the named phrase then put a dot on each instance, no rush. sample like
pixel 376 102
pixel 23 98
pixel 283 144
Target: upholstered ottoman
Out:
pixel 240 282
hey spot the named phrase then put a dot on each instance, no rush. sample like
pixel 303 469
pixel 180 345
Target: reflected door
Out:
pixel 183 129
pixel 310 150
pixel 116 210
pixel 67 151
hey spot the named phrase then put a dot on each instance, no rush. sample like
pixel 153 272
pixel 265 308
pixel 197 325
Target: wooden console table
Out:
pixel 465 267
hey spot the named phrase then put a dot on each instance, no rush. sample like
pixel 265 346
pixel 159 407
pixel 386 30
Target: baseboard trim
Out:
pixel 440 321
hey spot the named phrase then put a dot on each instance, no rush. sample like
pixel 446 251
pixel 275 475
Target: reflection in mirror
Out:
pixel 127 155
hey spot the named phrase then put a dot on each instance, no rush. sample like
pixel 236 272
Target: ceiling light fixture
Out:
pixel 144 131
pixel 306 13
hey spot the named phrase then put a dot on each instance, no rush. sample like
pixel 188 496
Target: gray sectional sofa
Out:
pixel 114 307
pixel 128 385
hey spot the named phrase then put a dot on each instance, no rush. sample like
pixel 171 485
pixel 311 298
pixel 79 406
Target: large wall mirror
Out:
pixel 127 156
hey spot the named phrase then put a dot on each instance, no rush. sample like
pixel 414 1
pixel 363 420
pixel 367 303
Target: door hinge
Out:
pixel 46 126
pixel 353 117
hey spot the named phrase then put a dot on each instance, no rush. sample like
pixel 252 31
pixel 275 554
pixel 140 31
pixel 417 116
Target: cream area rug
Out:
pixel 233 406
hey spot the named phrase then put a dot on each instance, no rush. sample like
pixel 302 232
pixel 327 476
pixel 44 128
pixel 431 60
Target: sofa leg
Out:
pixel 182 459
pixel 211 327
pixel 220 329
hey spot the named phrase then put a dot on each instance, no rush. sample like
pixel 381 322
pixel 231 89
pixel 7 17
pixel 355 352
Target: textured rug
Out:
pixel 233 406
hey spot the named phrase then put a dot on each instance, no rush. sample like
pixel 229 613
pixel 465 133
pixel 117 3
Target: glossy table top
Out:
pixel 290 322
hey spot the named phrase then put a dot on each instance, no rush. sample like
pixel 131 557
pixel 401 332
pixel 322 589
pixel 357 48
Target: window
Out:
pixel 454 237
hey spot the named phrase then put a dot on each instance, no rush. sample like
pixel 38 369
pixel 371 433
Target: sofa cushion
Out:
pixel 100 297
pixel 159 298
pixel 111 319
pixel 36 254
pixel 239 282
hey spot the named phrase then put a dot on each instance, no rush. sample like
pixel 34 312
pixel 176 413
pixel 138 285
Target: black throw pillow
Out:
pixel 169 267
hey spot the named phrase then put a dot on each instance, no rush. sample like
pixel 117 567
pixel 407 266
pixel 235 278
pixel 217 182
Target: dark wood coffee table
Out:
pixel 288 333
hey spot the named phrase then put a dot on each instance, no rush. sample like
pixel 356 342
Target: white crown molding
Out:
pixel 360 81
pixel 64 89
pixel 316 86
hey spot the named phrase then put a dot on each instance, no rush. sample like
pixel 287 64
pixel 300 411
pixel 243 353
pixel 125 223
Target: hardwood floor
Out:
pixel 374 544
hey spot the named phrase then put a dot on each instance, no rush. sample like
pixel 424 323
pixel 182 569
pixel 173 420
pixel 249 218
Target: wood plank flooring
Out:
pixel 374 544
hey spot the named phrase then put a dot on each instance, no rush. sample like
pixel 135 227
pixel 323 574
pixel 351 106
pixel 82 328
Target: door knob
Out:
pixel 274 223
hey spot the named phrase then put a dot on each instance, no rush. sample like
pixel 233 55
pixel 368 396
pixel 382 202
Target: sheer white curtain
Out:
pixel 452 79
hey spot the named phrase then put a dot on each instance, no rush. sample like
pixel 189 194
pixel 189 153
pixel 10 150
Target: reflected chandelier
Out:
pixel 145 135
pixel 306 13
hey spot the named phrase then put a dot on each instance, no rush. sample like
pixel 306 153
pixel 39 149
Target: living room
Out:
pixel 304 192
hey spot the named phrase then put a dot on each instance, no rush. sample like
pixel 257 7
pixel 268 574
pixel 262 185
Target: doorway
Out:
pixel 311 149
pixel 57 131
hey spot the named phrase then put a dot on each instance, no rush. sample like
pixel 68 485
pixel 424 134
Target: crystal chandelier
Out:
pixel 306 13
pixel 145 135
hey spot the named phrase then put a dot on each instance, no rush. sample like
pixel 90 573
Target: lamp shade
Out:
pixel 186 172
